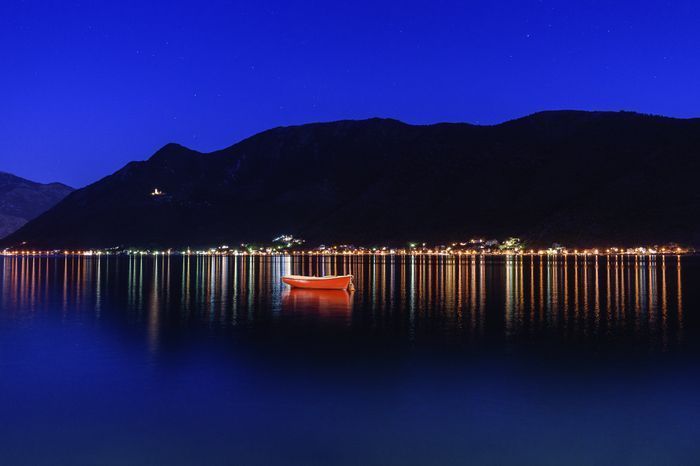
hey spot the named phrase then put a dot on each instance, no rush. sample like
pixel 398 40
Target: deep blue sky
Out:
pixel 88 86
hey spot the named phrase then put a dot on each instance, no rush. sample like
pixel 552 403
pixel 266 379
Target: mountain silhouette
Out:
pixel 578 178
pixel 21 200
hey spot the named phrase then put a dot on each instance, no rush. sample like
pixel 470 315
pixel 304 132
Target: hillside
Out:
pixel 580 178
pixel 21 200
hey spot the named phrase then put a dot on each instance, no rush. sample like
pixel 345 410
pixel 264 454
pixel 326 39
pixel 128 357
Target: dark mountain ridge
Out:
pixel 21 200
pixel 582 178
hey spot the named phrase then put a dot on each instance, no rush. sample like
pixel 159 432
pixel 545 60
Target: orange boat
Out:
pixel 329 282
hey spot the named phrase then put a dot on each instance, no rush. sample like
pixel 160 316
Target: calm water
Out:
pixel 171 360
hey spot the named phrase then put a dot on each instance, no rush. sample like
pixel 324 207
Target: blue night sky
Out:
pixel 88 86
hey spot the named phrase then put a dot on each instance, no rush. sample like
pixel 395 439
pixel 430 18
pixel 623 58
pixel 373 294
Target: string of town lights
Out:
pixel 287 245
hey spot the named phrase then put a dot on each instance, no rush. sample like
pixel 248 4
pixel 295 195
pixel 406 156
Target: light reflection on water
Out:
pixel 450 299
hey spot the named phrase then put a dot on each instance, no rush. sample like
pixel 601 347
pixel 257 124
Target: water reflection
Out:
pixel 468 299
pixel 325 303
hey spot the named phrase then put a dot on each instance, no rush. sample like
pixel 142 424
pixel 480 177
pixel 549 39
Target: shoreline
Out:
pixel 595 252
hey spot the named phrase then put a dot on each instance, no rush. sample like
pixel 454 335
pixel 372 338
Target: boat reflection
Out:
pixel 322 302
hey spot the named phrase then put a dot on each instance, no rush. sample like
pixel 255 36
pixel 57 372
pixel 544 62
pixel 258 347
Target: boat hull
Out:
pixel 341 282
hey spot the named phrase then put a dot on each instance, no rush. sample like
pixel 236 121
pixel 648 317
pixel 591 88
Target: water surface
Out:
pixel 211 360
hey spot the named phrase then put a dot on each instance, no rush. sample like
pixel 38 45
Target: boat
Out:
pixel 329 282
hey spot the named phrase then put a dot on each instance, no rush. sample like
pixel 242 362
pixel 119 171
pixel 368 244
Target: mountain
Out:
pixel 579 178
pixel 21 200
